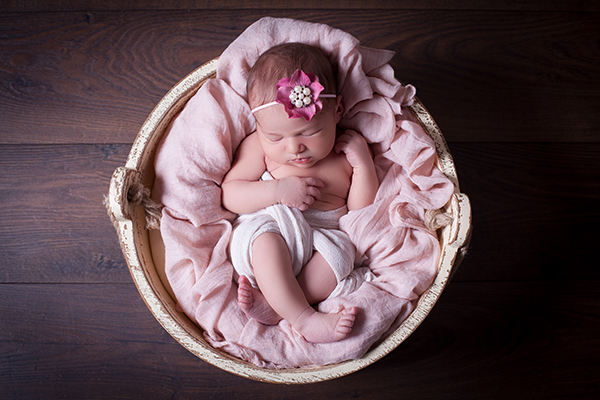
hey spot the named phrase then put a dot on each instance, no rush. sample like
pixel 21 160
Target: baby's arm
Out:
pixel 243 193
pixel 365 184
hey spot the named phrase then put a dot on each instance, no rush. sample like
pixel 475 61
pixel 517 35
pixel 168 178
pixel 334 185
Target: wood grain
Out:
pixel 54 227
pixel 514 337
pixel 534 210
pixel 116 5
pixel 514 87
pixel 94 77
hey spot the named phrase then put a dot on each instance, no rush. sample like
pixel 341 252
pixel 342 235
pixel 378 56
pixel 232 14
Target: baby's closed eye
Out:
pixel 310 133
pixel 274 138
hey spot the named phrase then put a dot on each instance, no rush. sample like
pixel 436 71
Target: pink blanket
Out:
pixel 390 236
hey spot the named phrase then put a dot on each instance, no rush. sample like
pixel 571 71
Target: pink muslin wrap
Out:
pixel 390 236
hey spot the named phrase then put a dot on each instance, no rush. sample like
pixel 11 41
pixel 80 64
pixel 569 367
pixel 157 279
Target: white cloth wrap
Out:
pixel 303 233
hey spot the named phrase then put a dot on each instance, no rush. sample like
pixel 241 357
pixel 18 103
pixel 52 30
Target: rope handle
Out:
pixel 138 194
pixel 126 190
pixel 436 219
pixel 457 216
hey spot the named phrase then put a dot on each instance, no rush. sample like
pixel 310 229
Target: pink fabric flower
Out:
pixel 299 94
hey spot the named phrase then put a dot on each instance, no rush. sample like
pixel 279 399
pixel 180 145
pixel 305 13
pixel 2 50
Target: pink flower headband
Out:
pixel 300 95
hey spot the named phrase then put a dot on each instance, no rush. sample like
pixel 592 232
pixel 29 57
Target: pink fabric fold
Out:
pixel 389 235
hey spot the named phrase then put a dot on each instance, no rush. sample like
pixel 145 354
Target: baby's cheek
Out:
pixel 324 146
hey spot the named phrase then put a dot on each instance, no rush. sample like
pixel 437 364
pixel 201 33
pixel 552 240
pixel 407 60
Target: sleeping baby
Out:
pixel 291 181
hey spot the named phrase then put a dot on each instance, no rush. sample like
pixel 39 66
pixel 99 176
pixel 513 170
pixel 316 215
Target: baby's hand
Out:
pixel 356 148
pixel 298 192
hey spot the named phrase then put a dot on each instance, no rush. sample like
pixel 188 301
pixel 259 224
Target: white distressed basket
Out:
pixel 144 250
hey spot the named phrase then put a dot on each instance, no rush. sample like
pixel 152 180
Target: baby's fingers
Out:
pixel 344 141
pixel 341 145
pixel 309 199
pixel 314 182
pixel 313 193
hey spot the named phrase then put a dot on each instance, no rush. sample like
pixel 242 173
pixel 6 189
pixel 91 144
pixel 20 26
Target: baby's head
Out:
pixel 285 138
pixel 281 62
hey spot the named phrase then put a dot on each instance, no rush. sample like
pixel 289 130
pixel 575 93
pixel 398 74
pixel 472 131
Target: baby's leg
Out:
pixel 273 270
pixel 317 279
pixel 254 304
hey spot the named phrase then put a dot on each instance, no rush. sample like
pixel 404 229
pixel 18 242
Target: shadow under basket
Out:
pixel 144 250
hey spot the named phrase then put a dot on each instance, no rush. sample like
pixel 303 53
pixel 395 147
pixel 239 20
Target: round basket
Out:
pixel 144 250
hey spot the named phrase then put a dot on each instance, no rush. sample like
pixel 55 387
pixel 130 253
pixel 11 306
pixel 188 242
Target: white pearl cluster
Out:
pixel 301 96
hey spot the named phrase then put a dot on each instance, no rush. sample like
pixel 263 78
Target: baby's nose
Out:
pixel 295 146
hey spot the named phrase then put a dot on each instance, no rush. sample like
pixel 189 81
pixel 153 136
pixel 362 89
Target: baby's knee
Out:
pixel 268 240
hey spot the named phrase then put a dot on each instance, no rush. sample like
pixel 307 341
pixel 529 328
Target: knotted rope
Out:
pixel 436 219
pixel 138 194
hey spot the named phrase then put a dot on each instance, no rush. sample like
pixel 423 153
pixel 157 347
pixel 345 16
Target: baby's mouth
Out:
pixel 301 160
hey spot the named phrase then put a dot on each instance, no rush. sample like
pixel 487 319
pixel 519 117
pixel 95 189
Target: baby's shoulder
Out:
pixel 250 141
pixel 249 162
pixel 250 147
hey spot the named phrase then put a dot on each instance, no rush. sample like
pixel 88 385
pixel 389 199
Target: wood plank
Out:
pixel 76 314
pixel 506 77
pixel 113 5
pixel 54 226
pixel 94 77
pixel 534 212
pixel 482 340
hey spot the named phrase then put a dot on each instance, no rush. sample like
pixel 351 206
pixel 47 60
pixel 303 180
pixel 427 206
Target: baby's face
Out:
pixel 294 141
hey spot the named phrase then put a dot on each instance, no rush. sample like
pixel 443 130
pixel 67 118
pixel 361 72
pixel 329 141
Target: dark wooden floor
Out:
pixel 515 90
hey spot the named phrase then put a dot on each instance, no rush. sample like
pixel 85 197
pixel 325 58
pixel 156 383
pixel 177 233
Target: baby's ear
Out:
pixel 339 109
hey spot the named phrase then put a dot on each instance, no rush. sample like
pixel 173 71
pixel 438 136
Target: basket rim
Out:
pixel 127 218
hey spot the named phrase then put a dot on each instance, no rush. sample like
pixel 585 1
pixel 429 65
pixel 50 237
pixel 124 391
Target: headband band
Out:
pixel 273 103
pixel 300 94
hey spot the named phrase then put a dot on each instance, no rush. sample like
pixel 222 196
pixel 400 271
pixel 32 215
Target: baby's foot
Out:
pixel 319 327
pixel 254 304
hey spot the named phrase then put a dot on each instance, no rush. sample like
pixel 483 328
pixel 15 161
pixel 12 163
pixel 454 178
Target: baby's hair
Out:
pixel 280 62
